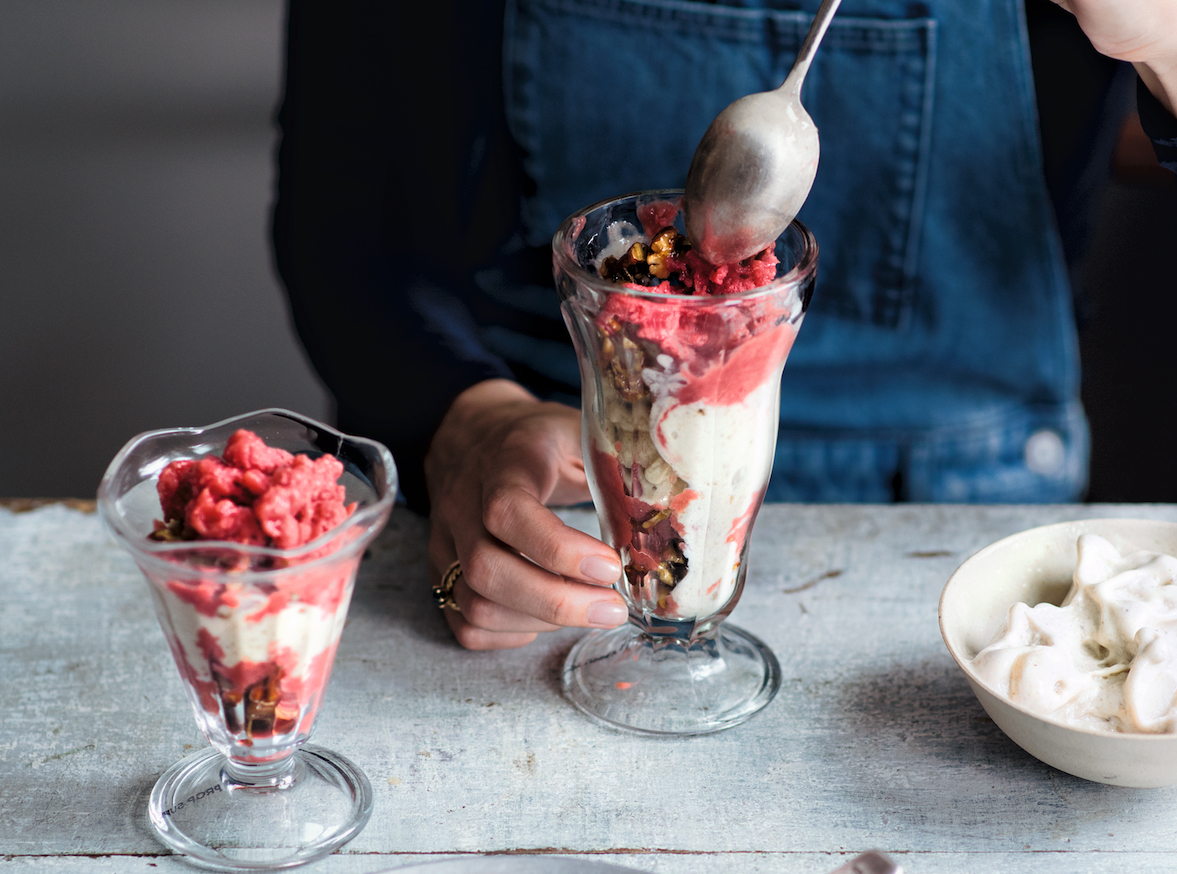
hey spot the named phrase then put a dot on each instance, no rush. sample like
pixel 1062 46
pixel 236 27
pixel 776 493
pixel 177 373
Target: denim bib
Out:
pixel 939 359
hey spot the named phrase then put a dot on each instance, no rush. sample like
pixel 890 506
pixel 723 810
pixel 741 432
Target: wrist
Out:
pixel 471 417
pixel 484 397
pixel 1161 80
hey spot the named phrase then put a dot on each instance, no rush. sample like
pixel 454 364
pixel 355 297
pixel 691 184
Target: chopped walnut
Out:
pixel 673 567
pixel 630 267
pixel 171 531
pixel 647 266
pixel 622 358
pixel 256 709
pixel 668 243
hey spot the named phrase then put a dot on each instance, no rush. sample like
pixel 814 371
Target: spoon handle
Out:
pixel 817 30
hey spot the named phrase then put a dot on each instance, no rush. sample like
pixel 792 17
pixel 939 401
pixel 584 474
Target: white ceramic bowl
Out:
pixel 1036 566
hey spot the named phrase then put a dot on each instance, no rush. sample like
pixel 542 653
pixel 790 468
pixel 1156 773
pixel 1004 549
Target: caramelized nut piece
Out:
pixel 665 577
pixel 655 519
pixel 172 531
pixel 630 267
pixel 663 242
pixel 623 361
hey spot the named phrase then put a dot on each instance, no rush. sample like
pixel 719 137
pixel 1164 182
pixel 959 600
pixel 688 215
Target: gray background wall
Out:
pixel 136 288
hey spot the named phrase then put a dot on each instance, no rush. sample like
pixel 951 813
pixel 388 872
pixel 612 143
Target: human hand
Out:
pixel 1141 31
pixel 499 457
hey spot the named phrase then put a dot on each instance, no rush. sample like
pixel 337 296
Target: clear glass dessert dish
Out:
pixel 253 631
pixel 680 406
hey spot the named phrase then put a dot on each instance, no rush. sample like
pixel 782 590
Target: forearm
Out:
pixel 367 233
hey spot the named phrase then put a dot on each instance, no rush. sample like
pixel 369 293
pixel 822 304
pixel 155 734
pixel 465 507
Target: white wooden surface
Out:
pixel 875 740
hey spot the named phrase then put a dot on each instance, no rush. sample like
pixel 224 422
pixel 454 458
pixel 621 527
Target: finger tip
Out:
pixel 600 569
pixel 607 614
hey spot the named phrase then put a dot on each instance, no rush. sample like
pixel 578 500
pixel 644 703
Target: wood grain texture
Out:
pixel 875 740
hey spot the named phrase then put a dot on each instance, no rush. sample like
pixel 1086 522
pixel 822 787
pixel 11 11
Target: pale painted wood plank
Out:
pixel 874 740
pixel 712 863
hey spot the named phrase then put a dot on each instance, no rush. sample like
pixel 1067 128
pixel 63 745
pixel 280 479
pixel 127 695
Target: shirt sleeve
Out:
pixel 1160 126
pixel 378 221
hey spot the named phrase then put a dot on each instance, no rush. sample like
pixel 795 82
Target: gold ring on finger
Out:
pixel 443 592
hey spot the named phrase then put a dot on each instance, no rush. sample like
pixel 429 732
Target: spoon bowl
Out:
pixel 755 165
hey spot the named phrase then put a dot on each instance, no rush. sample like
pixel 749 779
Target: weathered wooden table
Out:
pixel 875 740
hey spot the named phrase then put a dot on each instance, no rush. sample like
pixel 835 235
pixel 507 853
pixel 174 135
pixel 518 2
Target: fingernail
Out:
pixel 607 614
pixel 601 569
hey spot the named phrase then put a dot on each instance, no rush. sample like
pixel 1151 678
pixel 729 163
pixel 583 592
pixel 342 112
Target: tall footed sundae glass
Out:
pixel 680 367
pixel 252 621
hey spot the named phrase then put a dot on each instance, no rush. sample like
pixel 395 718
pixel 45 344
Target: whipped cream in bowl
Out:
pixel 1067 634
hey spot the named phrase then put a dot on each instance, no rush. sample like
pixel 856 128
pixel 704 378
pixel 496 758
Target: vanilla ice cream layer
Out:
pixel 304 630
pixel 724 454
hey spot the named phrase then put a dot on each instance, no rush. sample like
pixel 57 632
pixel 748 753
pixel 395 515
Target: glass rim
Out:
pixel 156 552
pixel 568 232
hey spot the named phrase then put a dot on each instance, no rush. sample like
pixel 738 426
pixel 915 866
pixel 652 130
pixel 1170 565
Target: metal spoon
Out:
pixel 873 862
pixel 755 164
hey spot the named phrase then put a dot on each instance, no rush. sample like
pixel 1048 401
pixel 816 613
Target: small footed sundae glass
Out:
pixel 680 391
pixel 253 631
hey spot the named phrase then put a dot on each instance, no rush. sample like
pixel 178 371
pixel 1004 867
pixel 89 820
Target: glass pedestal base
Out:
pixel 633 680
pixel 225 817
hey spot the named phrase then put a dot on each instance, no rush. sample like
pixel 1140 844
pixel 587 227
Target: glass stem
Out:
pixel 276 774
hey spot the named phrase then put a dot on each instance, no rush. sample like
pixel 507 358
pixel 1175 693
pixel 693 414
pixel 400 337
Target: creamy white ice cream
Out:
pixel 1107 658
pixel 298 633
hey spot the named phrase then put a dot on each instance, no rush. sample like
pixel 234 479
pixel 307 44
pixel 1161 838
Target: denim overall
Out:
pixel 939 359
